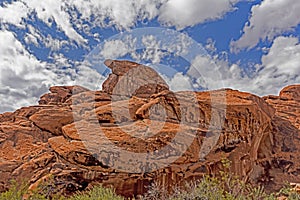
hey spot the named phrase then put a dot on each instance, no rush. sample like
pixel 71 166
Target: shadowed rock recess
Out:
pixel 260 136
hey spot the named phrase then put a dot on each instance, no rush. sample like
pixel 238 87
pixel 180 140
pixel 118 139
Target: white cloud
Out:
pixel 145 47
pixel 280 67
pixel 35 37
pixel 181 45
pixel 89 78
pixel 153 51
pixel 114 49
pixel 14 13
pixel 55 10
pixel 112 13
pixel 121 14
pixel 269 19
pixel 23 78
pixel 125 14
pixel 180 82
pixel 213 72
pixel 191 12
pixel 47 11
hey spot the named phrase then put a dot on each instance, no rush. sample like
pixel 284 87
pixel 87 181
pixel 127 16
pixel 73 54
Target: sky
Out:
pixel 248 45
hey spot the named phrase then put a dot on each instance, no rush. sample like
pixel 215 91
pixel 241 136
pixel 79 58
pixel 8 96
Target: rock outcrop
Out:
pixel 132 79
pixel 287 104
pixel 136 131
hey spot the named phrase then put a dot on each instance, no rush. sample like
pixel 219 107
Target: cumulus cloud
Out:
pixel 268 20
pixel 88 77
pixel 9 15
pixel 49 12
pixel 73 16
pixel 143 46
pixel 191 12
pixel 24 78
pixel 121 14
pixel 214 72
pixel 280 67
pixel 115 49
pixel 55 11
pixel 153 49
pixel 179 82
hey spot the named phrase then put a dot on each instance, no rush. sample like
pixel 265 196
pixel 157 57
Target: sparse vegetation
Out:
pixel 206 189
pixel 97 193
pixel 226 187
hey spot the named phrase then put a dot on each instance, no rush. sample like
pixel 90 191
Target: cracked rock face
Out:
pixel 79 136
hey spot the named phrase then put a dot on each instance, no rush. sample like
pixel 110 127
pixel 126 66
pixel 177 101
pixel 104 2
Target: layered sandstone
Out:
pixel 84 137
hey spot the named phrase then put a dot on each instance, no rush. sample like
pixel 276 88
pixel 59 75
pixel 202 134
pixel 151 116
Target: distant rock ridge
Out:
pixel 260 136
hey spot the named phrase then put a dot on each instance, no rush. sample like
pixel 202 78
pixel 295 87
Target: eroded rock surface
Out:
pixel 80 136
pixel 287 104
pixel 132 79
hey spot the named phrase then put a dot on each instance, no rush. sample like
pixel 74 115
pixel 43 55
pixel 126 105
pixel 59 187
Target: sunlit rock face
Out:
pixel 84 137
pixel 287 104
pixel 132 79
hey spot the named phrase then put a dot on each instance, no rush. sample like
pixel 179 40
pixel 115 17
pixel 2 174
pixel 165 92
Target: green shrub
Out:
pixel 225 187
pixel 16 192
pixel 97 193
pixel 288 192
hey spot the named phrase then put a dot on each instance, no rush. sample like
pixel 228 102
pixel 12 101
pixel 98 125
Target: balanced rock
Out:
pixel 132 79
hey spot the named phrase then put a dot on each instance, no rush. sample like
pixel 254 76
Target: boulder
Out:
pixel 132 79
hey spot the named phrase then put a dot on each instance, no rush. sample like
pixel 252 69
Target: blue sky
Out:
pixel 251 46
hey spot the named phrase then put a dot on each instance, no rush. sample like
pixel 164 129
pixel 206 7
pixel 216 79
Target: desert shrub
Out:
pixel 289 193
pixel 224 187
pixel 210 188
pixel 15 192
pixel 97 193
pixel 156 190
pixel 19 191
pixel 206 188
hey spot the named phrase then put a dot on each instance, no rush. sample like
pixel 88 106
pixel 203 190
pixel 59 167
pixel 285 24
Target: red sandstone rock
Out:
pixel 132 79
pixel 77 136
pixel 287 104
pixel 52 119
pixel 60 94
pixel 291 92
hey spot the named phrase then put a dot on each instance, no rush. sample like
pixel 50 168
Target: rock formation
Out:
pixel 132 79
pixel 287 104
pixel 84 137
